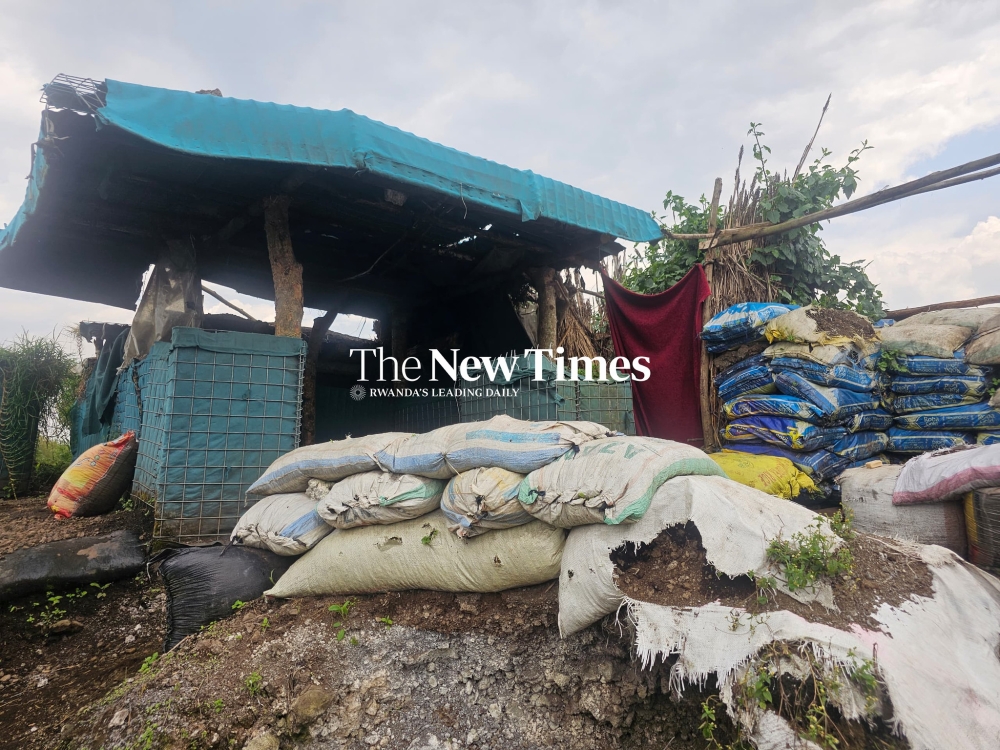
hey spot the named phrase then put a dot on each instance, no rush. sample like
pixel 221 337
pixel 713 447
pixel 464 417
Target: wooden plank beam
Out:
pixel 908 312
pixel 285 269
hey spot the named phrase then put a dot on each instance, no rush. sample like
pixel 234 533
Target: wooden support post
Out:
pixel 285 269
pixel 316 336
pixel 543 279
pixel 711 440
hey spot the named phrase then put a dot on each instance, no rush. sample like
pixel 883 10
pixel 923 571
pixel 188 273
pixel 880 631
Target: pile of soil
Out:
pixel 841 323
pixel 409 670
pixel 27 522
pixel 744 351
pixel 673 571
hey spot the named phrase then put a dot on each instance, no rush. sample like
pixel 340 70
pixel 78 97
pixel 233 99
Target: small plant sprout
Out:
pixel 254 684
pixel 341 609
pixel 101 589
pixel 387 621
pixel 264 624
pixel 427 540
pixel 148 663
pixel 238 605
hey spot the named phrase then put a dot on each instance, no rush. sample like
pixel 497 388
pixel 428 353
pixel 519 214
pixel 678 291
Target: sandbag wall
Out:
pixel 939 379
pixel 811 396
pixel 217 409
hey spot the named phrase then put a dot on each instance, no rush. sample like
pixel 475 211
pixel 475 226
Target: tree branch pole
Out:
pixel 285 269
pixel 973 170
pixel 227 303
pixel 710 439
pixel 543 279
pixel 909 312
pixel 808 148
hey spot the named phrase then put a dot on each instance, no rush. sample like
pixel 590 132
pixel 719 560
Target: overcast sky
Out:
pixel 626 99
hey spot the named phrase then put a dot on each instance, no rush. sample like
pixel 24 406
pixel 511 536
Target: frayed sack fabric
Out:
pixel 326 461
pixel 947 474
pixel 379 498
pixel 867 494
pixel 286 524
pixel 423 554
pixel 931 341
pixel 735 522
pixel 608 481
pixel 479 500
pixel 96 480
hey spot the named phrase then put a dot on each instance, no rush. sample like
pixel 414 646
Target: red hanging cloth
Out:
pixel 663 327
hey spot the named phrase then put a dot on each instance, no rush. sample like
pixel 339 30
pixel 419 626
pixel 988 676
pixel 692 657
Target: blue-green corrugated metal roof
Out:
pixel 229 128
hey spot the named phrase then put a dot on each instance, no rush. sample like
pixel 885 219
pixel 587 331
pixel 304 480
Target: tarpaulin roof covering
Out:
pixel 146 164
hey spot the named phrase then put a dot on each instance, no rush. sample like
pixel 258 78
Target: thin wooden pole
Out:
pixel 908 312
pixel 227 303
pixel 710 440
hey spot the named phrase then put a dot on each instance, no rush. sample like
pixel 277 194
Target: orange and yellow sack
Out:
pixel 95 481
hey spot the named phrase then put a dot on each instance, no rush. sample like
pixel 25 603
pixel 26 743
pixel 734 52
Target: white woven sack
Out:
pixel 930 341
pixel 519 446
pixel 867 494
pixel 423 554
pixel 327 461
pixel 984 349
pixel 379 498
pixel 482 499
pixel 736 524
pixel 611 480
pixel 424 454
pixel 798 326
pixel 947 474
pixel 967 317
pixel 285 523
pixel 823 355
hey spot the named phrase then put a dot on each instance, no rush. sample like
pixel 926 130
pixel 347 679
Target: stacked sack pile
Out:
pixel 472 507
pixel 940 377
pixel 822 411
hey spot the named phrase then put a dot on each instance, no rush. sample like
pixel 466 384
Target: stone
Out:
pixel 265 741
pixel 311 704
pixel 119 719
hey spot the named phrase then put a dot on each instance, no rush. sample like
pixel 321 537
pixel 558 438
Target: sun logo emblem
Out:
pixel 358 392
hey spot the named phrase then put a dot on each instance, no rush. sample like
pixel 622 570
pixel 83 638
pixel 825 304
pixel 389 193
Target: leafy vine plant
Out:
pixel 797 263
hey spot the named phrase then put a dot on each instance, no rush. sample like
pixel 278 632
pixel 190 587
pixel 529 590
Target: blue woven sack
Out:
pixel 777 405
pixel 927 402
pixel 967 385
pixel 861 445
pixel 836 404
pixel 920 365
pixel 735 323
pixel 921 441
pixel 836 376
pixel 819 464
pixel 972 417
pixel 789 433
pixel 756 379
pixel 988 438
pixel 739 367
pixel 746 337
pixel 877 419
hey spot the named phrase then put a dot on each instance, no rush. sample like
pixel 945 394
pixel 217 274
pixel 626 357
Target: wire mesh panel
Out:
pixel 230 406
pixel 126 413
pixel 424 414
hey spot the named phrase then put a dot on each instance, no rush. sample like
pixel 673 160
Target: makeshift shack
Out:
pixel 310 208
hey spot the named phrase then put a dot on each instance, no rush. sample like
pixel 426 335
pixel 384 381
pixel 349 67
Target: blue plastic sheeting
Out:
pixel 927 402
pixel 913 441
pixel 877 419
pixel 920 365
pixel 972 417
pixel 756 379
pixel 740 324
pixel 819 465
pixel 861 445
pixel 836 404
pixel 835 376
pixel 788 433
pixel 776 405
pixel 971 385
pixel 228 128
